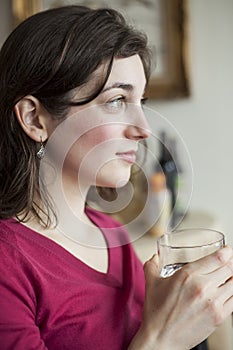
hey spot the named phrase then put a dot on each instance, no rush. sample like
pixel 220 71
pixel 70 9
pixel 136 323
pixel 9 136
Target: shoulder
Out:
pixel 8 229
pixel 9 239
pixel 15 243
pixel 15 268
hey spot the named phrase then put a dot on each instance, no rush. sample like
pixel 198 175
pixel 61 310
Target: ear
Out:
pixel 32 118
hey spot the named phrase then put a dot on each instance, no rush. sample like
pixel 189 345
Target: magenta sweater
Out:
pixel 49 299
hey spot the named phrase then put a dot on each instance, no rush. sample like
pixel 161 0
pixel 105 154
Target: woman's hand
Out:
pixel 182 310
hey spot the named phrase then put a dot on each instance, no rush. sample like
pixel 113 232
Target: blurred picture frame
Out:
pixel 163 21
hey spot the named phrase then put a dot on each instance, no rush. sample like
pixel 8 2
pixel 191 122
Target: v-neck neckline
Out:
pixel 114 274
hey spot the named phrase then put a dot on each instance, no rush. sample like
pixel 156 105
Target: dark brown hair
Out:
pixel 47 56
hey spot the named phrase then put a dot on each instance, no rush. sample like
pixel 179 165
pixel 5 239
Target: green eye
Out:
pixel 117 103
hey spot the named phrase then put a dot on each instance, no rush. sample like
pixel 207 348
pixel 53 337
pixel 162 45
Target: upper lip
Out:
pixel 129 156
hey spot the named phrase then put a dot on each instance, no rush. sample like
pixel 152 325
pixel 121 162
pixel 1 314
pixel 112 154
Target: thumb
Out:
pixel 151 269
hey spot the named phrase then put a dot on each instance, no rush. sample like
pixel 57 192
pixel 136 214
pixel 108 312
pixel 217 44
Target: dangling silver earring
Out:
pixel 41 153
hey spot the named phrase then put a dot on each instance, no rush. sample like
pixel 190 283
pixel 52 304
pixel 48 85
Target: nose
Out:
pixel 137 133
pixel 137 126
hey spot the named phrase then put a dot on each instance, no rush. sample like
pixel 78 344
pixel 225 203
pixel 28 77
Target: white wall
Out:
pixel 205 120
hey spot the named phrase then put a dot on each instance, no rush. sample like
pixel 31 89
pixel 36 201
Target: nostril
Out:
pixel 140 133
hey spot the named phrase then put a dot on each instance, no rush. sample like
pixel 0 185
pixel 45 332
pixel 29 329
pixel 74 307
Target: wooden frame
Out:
pixel 172 81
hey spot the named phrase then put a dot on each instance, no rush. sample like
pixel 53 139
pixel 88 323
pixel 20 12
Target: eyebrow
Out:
pixel 127 87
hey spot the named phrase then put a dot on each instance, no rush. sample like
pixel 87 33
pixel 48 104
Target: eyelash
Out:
pixel 117 100
pixel 123 99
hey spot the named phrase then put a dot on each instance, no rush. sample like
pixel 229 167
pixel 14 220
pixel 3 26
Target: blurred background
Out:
pixel 204 119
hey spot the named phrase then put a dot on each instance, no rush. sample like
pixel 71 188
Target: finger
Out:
pixel 213 261
pixel 228 307
pixel 151 269
pixel 226 290
pixel 221 275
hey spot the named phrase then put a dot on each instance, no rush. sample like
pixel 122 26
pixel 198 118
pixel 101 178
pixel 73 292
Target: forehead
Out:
pixel 127 70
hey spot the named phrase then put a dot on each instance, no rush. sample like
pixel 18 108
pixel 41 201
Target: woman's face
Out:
pixel 101 138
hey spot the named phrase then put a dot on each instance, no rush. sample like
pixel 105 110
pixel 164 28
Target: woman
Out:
pixel 71 84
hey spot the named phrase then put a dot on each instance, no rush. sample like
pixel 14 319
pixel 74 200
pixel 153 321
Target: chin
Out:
pixel 122 183
pixel 115 178
pixel 113 183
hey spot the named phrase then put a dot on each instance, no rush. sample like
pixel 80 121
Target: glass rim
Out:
pixel 221 238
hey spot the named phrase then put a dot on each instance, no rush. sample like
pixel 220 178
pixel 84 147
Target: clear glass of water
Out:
pixel 180 247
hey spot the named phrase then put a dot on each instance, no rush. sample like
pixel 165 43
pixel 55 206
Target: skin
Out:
pixel 179 311
pixel 101 155
pixel 184 309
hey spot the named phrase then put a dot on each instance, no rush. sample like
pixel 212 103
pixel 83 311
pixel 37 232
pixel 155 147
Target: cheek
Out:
pixel 94 147
pixel 100 139
pixel 102 134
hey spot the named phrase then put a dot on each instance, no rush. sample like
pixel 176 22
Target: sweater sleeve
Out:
pixel 18 329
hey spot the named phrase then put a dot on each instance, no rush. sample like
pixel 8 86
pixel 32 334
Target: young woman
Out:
pixel 71 84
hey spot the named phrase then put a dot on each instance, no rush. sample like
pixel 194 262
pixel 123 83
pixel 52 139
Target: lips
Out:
pixel 129 156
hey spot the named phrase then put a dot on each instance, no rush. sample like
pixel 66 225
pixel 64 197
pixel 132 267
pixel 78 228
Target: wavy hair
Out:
pixel 47 56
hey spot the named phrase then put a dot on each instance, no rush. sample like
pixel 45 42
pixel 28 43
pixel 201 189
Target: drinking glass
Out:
pixel 180 247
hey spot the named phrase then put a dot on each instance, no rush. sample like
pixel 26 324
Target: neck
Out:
pixel 74 200
pixel 72 222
